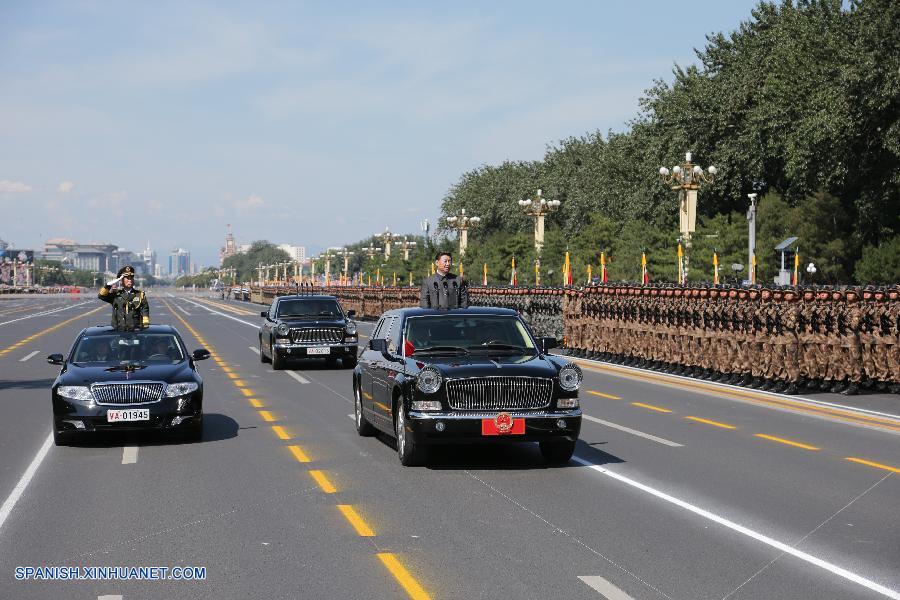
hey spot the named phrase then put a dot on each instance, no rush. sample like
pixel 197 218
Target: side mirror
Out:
pixel 55 359
pixel 378 345
pixel 200 354
pixel 351 313
pixel 548 343
pixel 264 313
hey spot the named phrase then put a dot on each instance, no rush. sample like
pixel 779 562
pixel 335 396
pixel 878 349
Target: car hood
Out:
pixel 312 322
pixel 86 375
pixel 453 367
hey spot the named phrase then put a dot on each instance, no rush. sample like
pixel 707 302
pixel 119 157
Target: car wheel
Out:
pixel 363 427
pixel 411 454
pixel 557 451
pixel 277 361
pixel 61 438
pixel 262 355
pixel 349 361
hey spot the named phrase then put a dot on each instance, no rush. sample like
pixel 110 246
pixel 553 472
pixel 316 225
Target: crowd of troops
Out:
pixel 782 340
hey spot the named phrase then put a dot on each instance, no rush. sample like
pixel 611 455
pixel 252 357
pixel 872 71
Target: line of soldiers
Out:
pixel 769 339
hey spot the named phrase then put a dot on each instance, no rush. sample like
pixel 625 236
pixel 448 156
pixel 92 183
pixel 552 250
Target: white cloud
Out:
pixel 13 187
pixel 251 202
pixel 65 187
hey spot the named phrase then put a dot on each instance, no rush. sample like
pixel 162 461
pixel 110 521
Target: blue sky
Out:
pixel 306 123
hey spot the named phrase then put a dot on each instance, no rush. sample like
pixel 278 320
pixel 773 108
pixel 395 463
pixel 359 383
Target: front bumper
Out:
pixel 72 415
pixel 459 427
pixel 299 350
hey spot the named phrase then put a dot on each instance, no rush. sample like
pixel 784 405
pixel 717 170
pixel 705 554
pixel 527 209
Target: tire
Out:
pixel 349 361
pixel 557 451
pixel 277 361
pixel 410 453
pixel 262 355
pixel 61 438
pixel 363 427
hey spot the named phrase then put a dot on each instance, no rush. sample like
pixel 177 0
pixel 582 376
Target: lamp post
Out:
pixel 406 245
pixel 461 223
pixel 538 208
pixel 425 226
pixel 751 224
pixel 371 251
pixel 344 253
pixel 686 179
pixel 386 238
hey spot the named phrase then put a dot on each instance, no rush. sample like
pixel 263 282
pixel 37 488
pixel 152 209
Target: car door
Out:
pixel 381 380
pixel 366 366
pixel 268 328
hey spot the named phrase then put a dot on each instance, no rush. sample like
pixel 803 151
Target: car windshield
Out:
pixel 466 334
pixel 308 308
pixel 118 347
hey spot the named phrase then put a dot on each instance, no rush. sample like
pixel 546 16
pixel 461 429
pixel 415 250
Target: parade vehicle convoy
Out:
pixel 116 380
pixel 464 376
pixel 301 326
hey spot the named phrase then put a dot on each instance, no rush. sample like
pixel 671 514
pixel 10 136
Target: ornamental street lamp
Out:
pixel 371 251
pixel 751 224
pixel 686 179
pixel 406 244
pixel 386 238
pixel 461 223
pixel 538 208
pixel 345 254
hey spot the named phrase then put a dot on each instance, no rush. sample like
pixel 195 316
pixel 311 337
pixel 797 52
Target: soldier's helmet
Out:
pixel 732 294
pixel 754 293
pixel 791 295
pixel 126 271
pixel 837 295
pixel 778 295
pixel 852 295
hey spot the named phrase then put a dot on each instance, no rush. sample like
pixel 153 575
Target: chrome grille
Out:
pixel 116 394
pixel 499 393
pixel 317 335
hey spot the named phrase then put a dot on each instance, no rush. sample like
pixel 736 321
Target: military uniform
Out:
pixel 130 309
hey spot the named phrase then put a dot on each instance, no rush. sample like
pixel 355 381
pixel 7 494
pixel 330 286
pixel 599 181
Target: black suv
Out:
pixel 307 327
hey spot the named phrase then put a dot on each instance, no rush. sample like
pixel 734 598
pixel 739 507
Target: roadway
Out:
pixel 679 489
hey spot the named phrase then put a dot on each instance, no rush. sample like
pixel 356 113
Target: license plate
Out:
pixel 511 427
pixel 131 414
pixel 325 350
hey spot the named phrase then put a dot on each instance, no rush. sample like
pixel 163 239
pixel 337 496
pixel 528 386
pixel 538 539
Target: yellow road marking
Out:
pixel 323 482
pixel 46 331
pixel 358 524
pixel 651 407
pixel 239 383
pixel 784 441
pixel 713 423
pixel 299 454
pixel 602 395
pixel 232 375
pixel 266 416
pixel 873 464
pixel 247 392
pixel 255 403
pixel 280 432
pixel 800 407
pixel 412 587
pixel 224 368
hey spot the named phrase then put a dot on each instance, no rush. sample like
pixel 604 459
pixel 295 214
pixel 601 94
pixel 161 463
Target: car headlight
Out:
pixel 350 328
pixel 76 392
pixel 180 389
pixel 282 329
pixel 429 380
pixel 426 405
pixel 570 377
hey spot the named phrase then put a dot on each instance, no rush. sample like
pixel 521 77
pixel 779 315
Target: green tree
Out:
pixel 880 264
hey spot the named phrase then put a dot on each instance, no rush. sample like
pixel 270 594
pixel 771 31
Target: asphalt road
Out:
pixel 679 489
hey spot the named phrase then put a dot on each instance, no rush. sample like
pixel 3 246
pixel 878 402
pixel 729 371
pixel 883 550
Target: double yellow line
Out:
pixel 403 577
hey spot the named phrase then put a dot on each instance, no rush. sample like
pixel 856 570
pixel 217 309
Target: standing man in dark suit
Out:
pixel 444 289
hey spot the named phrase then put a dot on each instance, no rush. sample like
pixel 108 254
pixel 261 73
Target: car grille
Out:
pixel 116 394
pixel 499 393
pixel 317 335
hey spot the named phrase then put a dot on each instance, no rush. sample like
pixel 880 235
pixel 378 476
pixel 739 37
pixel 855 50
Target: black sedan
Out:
pixel 474 375
pixel 127 380
pixel 301 326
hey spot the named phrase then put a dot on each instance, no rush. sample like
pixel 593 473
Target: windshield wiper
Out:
pixel 494 346
pixel 441 350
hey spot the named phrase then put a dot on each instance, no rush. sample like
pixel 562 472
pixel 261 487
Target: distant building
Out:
pixel 121 257
pixel 297 253
pixel 230 248
pixel 148 257
pixel 244 248
pixel 89 257
pixel 157 271
pixel 179 262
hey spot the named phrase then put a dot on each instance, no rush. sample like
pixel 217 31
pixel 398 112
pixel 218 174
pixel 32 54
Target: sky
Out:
pixel 307 123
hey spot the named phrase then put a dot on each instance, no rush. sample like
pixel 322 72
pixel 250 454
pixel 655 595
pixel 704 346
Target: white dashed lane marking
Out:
pixel 646 436
pixel 298 377
pixel 605 588
pixel 27 356
pixel 129 455
pixel 254 349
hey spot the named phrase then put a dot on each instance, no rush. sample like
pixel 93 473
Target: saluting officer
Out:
pixel 130 309
pixel 444 289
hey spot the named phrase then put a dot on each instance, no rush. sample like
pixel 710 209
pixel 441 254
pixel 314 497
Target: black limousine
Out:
pixel 127 380
pixel 474 375
pixel 299 326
